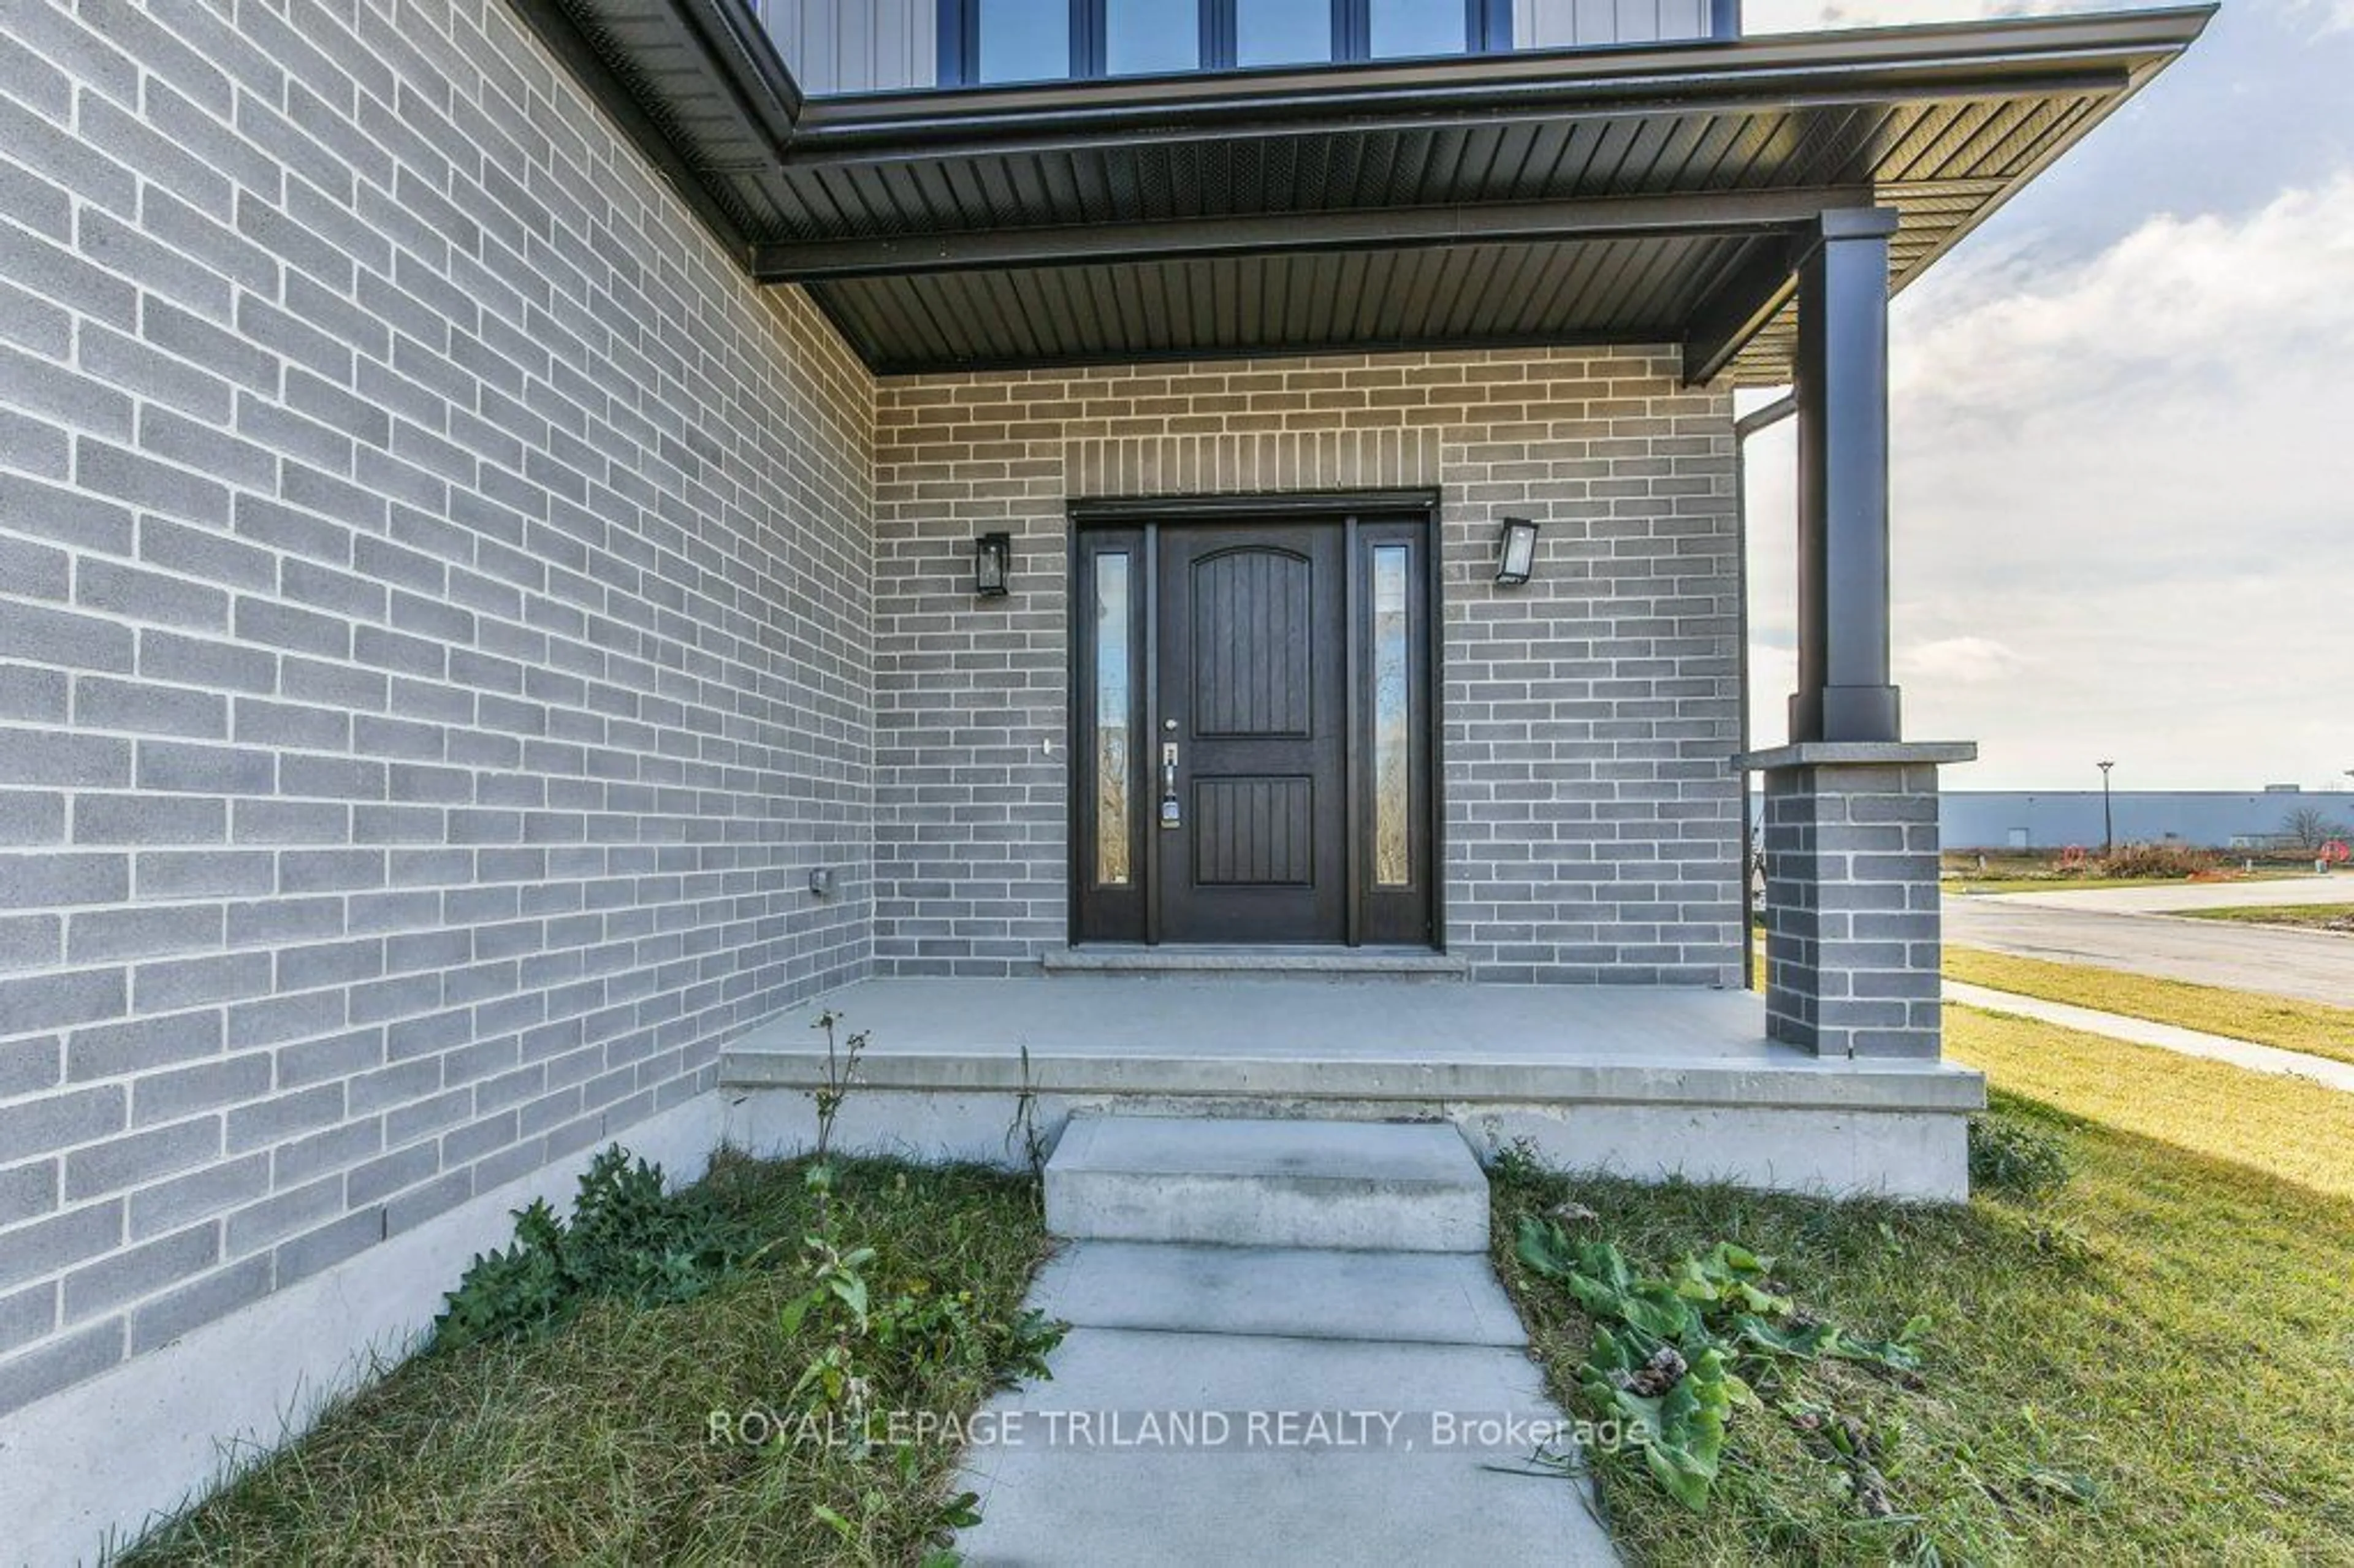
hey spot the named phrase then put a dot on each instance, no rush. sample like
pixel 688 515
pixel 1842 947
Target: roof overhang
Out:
pixel 1649 194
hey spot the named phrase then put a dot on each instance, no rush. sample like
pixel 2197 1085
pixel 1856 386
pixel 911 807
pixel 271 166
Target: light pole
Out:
pixel 2108 822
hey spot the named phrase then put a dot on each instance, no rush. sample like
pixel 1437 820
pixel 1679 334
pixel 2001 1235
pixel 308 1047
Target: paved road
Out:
pixel 2314 964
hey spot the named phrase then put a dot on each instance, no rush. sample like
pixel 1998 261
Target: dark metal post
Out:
pixel 1845 693
pixel 1724 18
pixel 2108 822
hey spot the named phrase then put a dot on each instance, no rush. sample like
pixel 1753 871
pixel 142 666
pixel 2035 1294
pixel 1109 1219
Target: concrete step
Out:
pixel 1149 1449
pixel 1327 1185
pixel 1409 1298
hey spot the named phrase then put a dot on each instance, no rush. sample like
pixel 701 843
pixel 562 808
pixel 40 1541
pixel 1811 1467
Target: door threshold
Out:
pixel 1241 962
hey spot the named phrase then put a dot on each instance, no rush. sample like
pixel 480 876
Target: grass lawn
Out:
pixel 2156 1364
pixel 591 1442
pixel 2289 1023
pixel 2306 917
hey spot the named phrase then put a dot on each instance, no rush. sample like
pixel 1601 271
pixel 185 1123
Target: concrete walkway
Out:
pixel 2165 1036
pixel 1229 1398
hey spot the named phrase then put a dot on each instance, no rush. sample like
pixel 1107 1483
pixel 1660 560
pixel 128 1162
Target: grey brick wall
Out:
pixel 1852 936
pixel 434 647
pixel 1593 829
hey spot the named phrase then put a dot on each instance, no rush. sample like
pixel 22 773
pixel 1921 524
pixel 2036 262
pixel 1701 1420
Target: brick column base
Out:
pixel 1852 942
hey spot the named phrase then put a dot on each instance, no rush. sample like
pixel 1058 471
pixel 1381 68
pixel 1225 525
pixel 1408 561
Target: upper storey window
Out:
pixel 1144 37
pixel 1285 32
pixel 1022 40
pixel 1397 28
pixel 984 41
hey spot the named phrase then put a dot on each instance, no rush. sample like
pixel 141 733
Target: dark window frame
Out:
pixel 1487 29
pixel 1131 525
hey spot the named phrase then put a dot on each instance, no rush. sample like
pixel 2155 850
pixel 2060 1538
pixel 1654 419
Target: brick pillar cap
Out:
pixel 1857 754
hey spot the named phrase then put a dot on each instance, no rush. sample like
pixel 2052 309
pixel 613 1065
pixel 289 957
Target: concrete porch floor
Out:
pixel 1642 1082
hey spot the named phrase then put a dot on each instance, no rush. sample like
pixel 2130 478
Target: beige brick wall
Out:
pixel 1593 829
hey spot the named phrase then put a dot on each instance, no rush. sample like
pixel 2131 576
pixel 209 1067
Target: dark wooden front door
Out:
pixel 1253 730
pixel 1252 738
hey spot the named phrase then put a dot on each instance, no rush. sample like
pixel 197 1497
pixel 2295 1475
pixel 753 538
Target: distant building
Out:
pixel 2203 819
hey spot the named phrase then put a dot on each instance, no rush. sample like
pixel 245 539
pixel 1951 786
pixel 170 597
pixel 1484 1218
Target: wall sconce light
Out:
pixel 992 566
pixel 1516 552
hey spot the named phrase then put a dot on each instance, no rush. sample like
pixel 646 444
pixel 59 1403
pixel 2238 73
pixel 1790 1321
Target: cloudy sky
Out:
pixel 2124 436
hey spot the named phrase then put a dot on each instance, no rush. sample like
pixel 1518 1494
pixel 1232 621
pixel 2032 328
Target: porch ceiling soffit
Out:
pixel 1548 197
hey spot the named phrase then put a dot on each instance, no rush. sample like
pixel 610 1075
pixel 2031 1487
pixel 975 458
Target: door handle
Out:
pixel 1172 815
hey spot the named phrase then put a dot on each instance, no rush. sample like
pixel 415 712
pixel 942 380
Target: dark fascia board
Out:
pixel 2106 56
pixel 1721 212
pixel 2017 57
